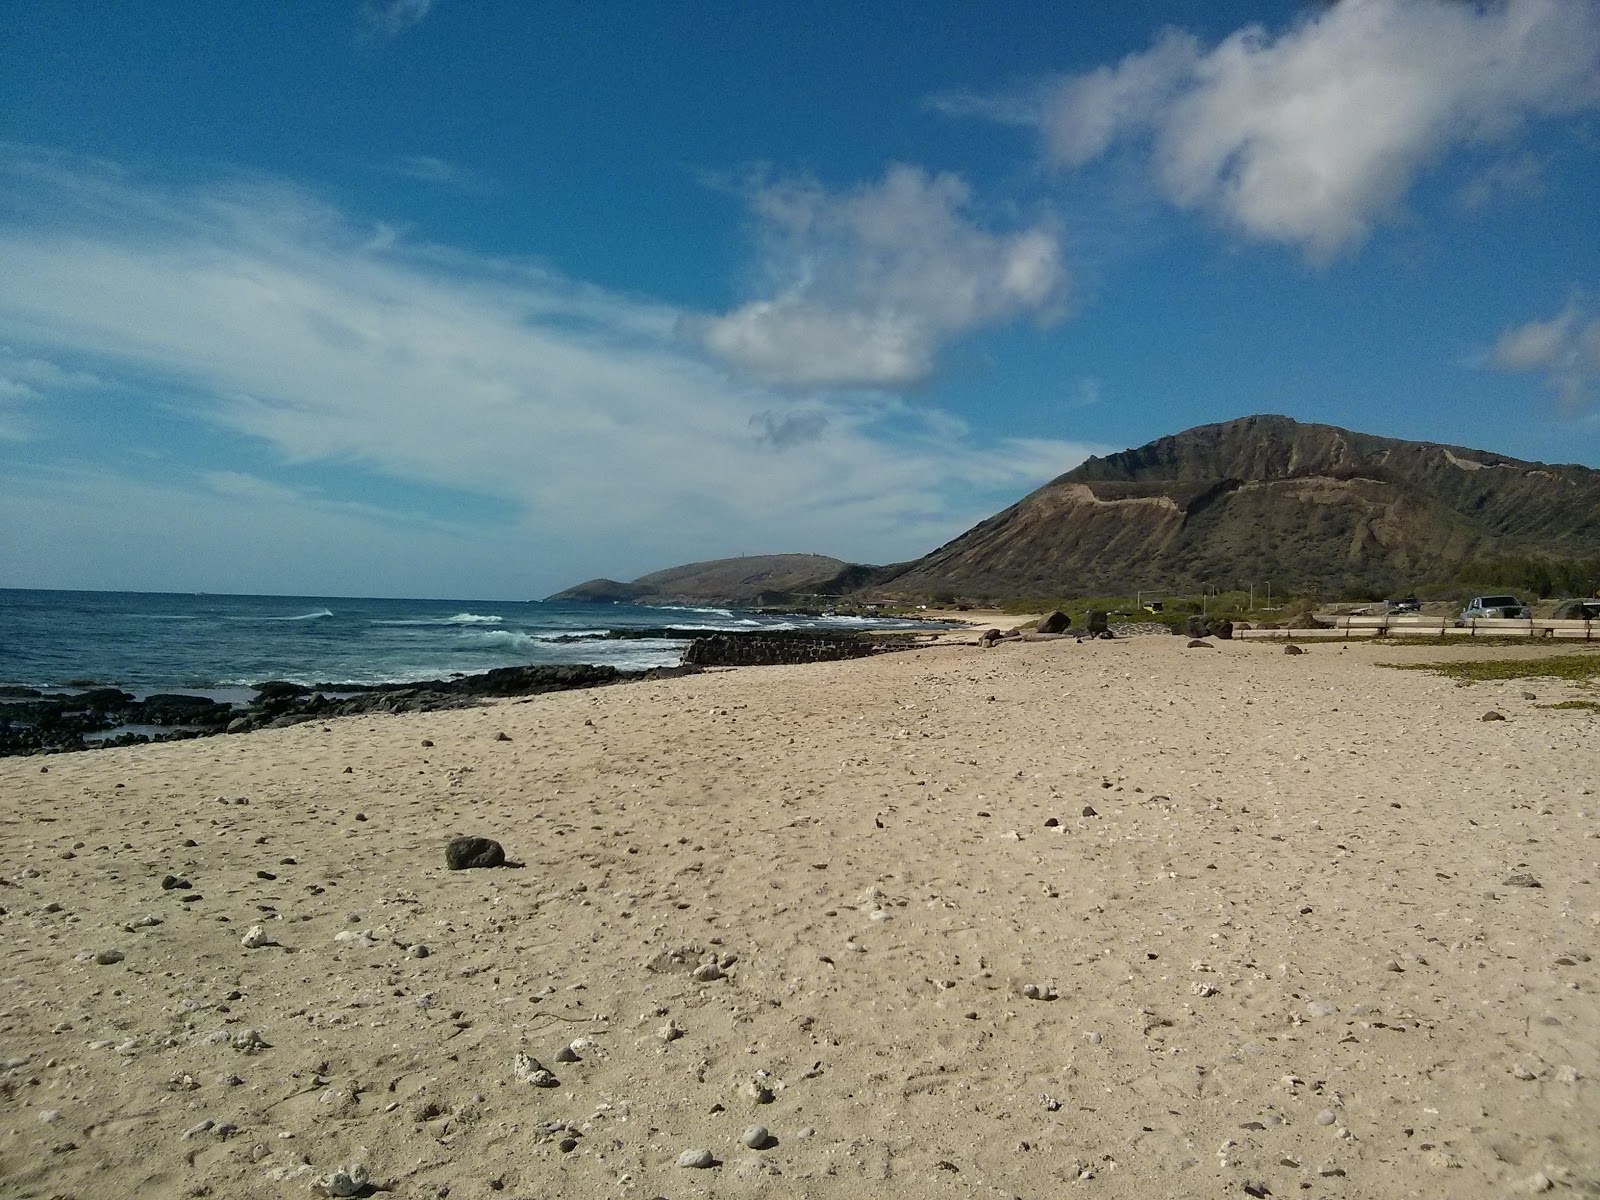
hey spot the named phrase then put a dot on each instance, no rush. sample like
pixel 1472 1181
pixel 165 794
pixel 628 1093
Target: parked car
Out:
pixel 1406 604
pixel 1504 607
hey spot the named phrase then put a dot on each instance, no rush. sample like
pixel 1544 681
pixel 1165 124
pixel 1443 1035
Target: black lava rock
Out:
pixel 464 853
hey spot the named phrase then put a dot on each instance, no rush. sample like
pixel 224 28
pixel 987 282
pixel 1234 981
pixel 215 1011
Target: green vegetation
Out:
pixel 1539 577
pixel 1590 705
pixel 1574 668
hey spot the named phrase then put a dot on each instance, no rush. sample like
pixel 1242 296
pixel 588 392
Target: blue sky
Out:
pixel 475 298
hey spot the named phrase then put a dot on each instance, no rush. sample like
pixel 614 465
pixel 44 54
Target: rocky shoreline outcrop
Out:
pixel 47 722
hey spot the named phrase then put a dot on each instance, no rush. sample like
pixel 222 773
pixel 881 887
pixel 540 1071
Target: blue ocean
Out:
pixel 222 646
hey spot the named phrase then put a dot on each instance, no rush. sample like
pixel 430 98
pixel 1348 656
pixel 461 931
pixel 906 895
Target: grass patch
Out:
pixel 1591 705
pixel 1574 668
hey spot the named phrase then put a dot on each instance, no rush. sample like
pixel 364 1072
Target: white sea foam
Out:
pixel 459 619
pixel 310 616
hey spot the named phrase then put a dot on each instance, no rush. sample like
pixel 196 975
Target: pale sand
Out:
pixel 1275 837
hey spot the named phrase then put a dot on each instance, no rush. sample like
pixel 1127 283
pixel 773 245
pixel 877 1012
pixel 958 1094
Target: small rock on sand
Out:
pixel 1291 648
pixel 697 1158
pixel 756 1137
pixel 464 853
pixel 1523 880
pixel 1491 715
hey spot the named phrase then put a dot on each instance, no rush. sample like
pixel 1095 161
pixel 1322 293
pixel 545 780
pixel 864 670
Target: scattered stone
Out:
pixel 1088 811
pixel 1197 644
pixel 528 1069
pixel 1529 696
pixel 697 1158
pixel 1524 880
pixel 502 736
pixel 147 921
pixel 427 742
pixel 706 972
pixel 1051 823
pixel 106 958
pixel 1321 1008
pixel 1491 715
pixel 250 1042
pixel 1291 648
pixel 347 1181
pixel 670 1032
pixel 173 882
pixel 759 1088
pixel 418 951
pixel 567 1145
pixel 1326 1117
pixel 1524 1072
pixel 756 1137
pixel 254 938
pixel 566 1055
pixel 464 853
pixel 1038 991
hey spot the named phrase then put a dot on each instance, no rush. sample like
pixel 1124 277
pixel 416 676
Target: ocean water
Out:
pixel 155 641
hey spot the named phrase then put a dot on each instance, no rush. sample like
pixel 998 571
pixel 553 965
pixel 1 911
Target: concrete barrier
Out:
pixel 1439 627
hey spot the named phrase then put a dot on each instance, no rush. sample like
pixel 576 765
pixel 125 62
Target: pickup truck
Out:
pixel 1504 607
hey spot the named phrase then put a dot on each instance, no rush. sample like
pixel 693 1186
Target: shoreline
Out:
pixel 1058 915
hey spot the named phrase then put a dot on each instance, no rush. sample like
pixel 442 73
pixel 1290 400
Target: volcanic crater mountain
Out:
pixel 1259 499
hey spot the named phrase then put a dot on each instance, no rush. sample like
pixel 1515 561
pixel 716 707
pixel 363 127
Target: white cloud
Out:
pixel 1313 136
pixel 868 285
pixel 390 18
pixel 1566 349
pixel 256 310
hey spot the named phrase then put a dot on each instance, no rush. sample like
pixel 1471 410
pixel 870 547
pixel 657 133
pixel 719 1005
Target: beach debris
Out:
pixel 1523 880
pixel 1491 715
pixel 254 938
pixel 697 1158
pixel 464 853
pixel 528 1069
pixel 1291 648
pixel 756 1137
pixel 147 921
pixel 107 957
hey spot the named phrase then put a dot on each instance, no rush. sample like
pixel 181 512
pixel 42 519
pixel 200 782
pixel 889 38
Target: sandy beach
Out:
pixel 1105 919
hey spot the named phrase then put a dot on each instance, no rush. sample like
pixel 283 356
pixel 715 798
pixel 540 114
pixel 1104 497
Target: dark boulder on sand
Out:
pixel 1055 622
pixel 465 853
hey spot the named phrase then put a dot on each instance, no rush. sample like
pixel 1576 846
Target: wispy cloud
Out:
pixel 425 168
pixel 390 18
pixel 256 315
pixel 1314 136
pixel 865 287
pixel 1565 349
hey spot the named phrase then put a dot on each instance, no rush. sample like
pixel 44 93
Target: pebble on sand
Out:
pixel 254 938
pixel 756 1137
pixel 697 1158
